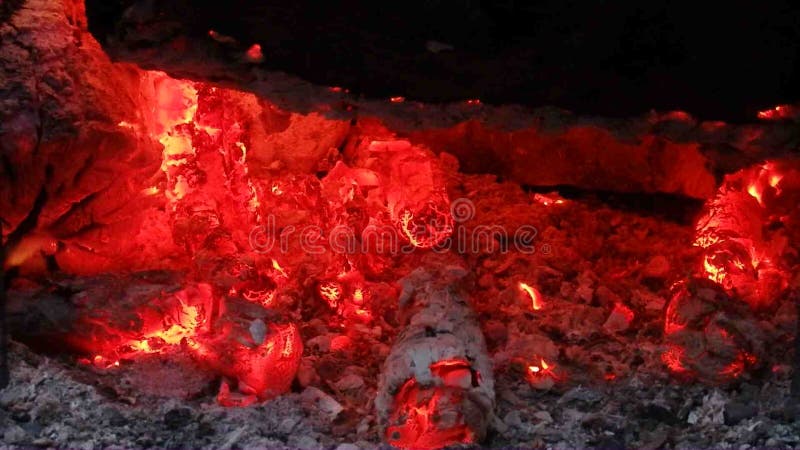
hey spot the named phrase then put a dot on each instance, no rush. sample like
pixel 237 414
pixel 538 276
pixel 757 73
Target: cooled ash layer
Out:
pixel 437 386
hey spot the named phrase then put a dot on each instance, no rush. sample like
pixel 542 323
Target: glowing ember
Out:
pixel 418 413
pixel 254 54
pixel 732 234
pixel 455 373
pixel 398 99
pixel 331 292
pixel 279 269
pixel 779 112
pixel 358 296
pixel 533 294
pixel 547 200
pixel 672 357
pixel 540 375
pixel 427 226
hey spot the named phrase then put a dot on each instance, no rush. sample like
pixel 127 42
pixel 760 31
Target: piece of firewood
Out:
pixel 437 386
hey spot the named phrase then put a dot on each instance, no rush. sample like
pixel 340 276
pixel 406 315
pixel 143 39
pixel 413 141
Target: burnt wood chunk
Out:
pixel 436 387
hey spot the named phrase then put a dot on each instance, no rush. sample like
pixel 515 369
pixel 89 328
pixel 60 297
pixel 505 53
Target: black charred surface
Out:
pixel 722 61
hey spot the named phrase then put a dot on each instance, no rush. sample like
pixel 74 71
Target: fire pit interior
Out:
pixel 262 225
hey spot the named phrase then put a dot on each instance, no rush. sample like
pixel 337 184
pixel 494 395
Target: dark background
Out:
pixel 715 60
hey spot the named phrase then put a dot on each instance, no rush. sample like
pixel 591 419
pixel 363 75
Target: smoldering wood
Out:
pixel 666 153
pixel 439 326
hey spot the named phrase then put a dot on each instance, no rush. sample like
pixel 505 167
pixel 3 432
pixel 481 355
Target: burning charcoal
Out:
pixel 657 267
pixel 436 387
pixel 619 320
pixel 263 370
pixel 710 336
pixel 740 252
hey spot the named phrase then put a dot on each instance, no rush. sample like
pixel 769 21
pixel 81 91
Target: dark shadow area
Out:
pixel 717 61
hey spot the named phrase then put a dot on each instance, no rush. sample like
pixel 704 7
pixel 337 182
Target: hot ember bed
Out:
pixel 199 251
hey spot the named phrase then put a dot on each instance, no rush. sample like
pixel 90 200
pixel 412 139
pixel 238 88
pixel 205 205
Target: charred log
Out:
pixel 109 320
pixel 669 153
pixel 436 387
pixel 710 336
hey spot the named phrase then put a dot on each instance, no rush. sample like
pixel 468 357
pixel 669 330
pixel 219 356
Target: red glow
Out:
pixel 254 54
pixel 417 413
pixel 779 112
pixel 454 372
pixel 731 232
pixel 474 101
pixel 738 366
pixel 358 296
pixel 331 292
pixel 547 200
pixel 533 294
pixel 624 311
pixel 279 269
pixel 340 343
pixel 541 375
pixel 398 99
pixel 265 297
pixel 672 358
pixel 427 226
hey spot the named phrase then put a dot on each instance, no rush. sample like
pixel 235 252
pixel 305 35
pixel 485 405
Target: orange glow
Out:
pixel 152 190
pixel 542 367
pixel 541 375
pixel 426 227
pixel 547 200
pixel 265 297
pixel 535 296
pixel 278 267
pixel 363 314
pixel 398 99
pixel 331 292
pixel 714 273
pixel 778 112
pixel 755 192
pixel 358 296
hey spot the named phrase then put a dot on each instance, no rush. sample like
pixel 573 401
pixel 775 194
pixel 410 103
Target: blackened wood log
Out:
pixel 437 386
